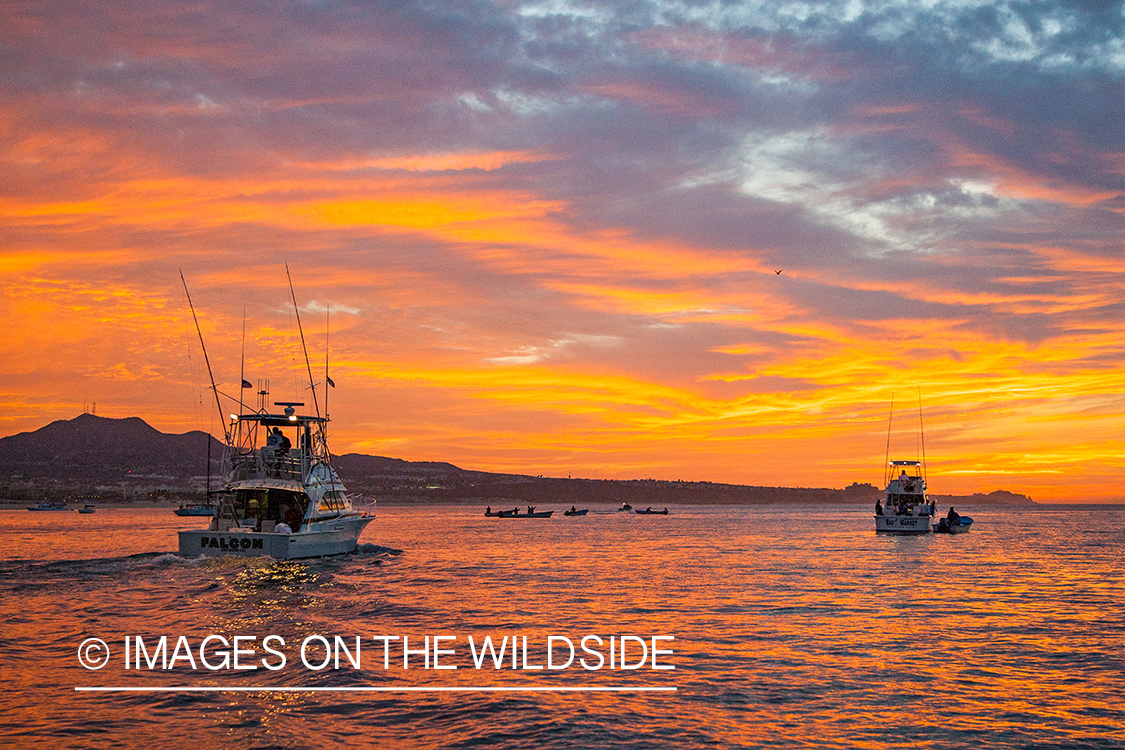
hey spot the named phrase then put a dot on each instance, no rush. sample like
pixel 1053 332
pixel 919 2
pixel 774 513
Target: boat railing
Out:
pixel 269 464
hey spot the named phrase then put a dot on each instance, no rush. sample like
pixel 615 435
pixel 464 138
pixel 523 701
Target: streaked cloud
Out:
pixel 549 233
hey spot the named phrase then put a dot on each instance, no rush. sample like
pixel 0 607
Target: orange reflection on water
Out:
pixel 795 624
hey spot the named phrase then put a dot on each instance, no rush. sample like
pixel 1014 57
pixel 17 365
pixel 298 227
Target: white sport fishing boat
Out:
pixel 286 504
pixel 280 495
pixel 906 509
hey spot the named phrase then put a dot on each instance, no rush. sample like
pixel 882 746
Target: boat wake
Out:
pixel 375 549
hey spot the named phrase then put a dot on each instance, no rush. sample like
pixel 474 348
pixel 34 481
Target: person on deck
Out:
pixel 878 508
pixel 293 517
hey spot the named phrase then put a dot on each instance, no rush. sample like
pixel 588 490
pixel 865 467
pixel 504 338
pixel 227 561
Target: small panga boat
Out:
pixel 47 505
pixel 199 509
pixel 515 513
pixel 964 523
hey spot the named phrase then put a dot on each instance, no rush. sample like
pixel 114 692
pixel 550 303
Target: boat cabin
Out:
pixel 277 467
pixel 906 486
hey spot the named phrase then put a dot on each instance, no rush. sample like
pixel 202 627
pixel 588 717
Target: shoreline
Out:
pixel 503 503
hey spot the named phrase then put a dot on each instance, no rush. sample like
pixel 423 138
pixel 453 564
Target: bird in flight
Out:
pixel 779 272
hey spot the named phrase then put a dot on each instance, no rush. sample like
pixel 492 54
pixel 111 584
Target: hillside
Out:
pixel 84 455
pixel 98 449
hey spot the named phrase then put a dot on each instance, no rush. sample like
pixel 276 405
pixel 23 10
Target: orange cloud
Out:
pixel 456 161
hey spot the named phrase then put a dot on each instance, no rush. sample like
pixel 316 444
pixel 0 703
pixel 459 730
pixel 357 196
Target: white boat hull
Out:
pixel 903 524
pixel 336 537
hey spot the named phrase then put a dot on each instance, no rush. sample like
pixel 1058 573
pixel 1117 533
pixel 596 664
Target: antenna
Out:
pixel 242 365
pixel 922 431
pixel 219 406
pixel 887 458
pixel 327 380
pixel 304 348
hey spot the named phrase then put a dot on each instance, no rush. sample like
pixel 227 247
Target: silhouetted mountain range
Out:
pixel 98 449
pixel 90 450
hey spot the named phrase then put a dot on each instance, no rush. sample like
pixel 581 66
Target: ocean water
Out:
pixel 792 627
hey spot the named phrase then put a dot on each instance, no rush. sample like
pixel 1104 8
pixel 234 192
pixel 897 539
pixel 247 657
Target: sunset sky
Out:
pixel 548 232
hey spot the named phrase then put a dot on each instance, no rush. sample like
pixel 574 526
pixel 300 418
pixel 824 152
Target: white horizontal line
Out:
pixel 368 689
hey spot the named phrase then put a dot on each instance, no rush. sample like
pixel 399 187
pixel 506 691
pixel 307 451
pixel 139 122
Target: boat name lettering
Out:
pixel 230 542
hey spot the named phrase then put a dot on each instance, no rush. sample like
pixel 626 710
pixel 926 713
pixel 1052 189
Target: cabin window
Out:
pixel 270 505
pixel 332 500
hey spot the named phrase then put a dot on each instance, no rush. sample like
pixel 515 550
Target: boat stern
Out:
pixel 207 543
pixel 903 524
pixel 336 537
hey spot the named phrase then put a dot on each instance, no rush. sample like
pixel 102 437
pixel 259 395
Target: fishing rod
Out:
pixel 210 374
pixel 922 430
pixel 242 366
pixel 887 457
pixel 305 349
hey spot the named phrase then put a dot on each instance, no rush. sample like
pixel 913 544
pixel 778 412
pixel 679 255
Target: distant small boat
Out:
pixel 964 523
pixel 515 513
pixel 86 509
pixel 651 512
pixel 573 512
pixel 201 509
pixel 47 505
pixel 624 506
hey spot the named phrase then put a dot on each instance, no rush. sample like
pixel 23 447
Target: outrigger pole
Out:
pixel 214 388
pixel 312 385
pixel 242 365
pixel 922 430
pixel 887 457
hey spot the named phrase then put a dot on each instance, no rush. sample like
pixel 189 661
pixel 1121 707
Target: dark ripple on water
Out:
pixel 794 628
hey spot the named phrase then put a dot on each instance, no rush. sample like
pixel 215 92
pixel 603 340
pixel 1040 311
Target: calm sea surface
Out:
pixel 793 626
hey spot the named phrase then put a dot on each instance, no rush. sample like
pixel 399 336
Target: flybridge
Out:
pixel 288 419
